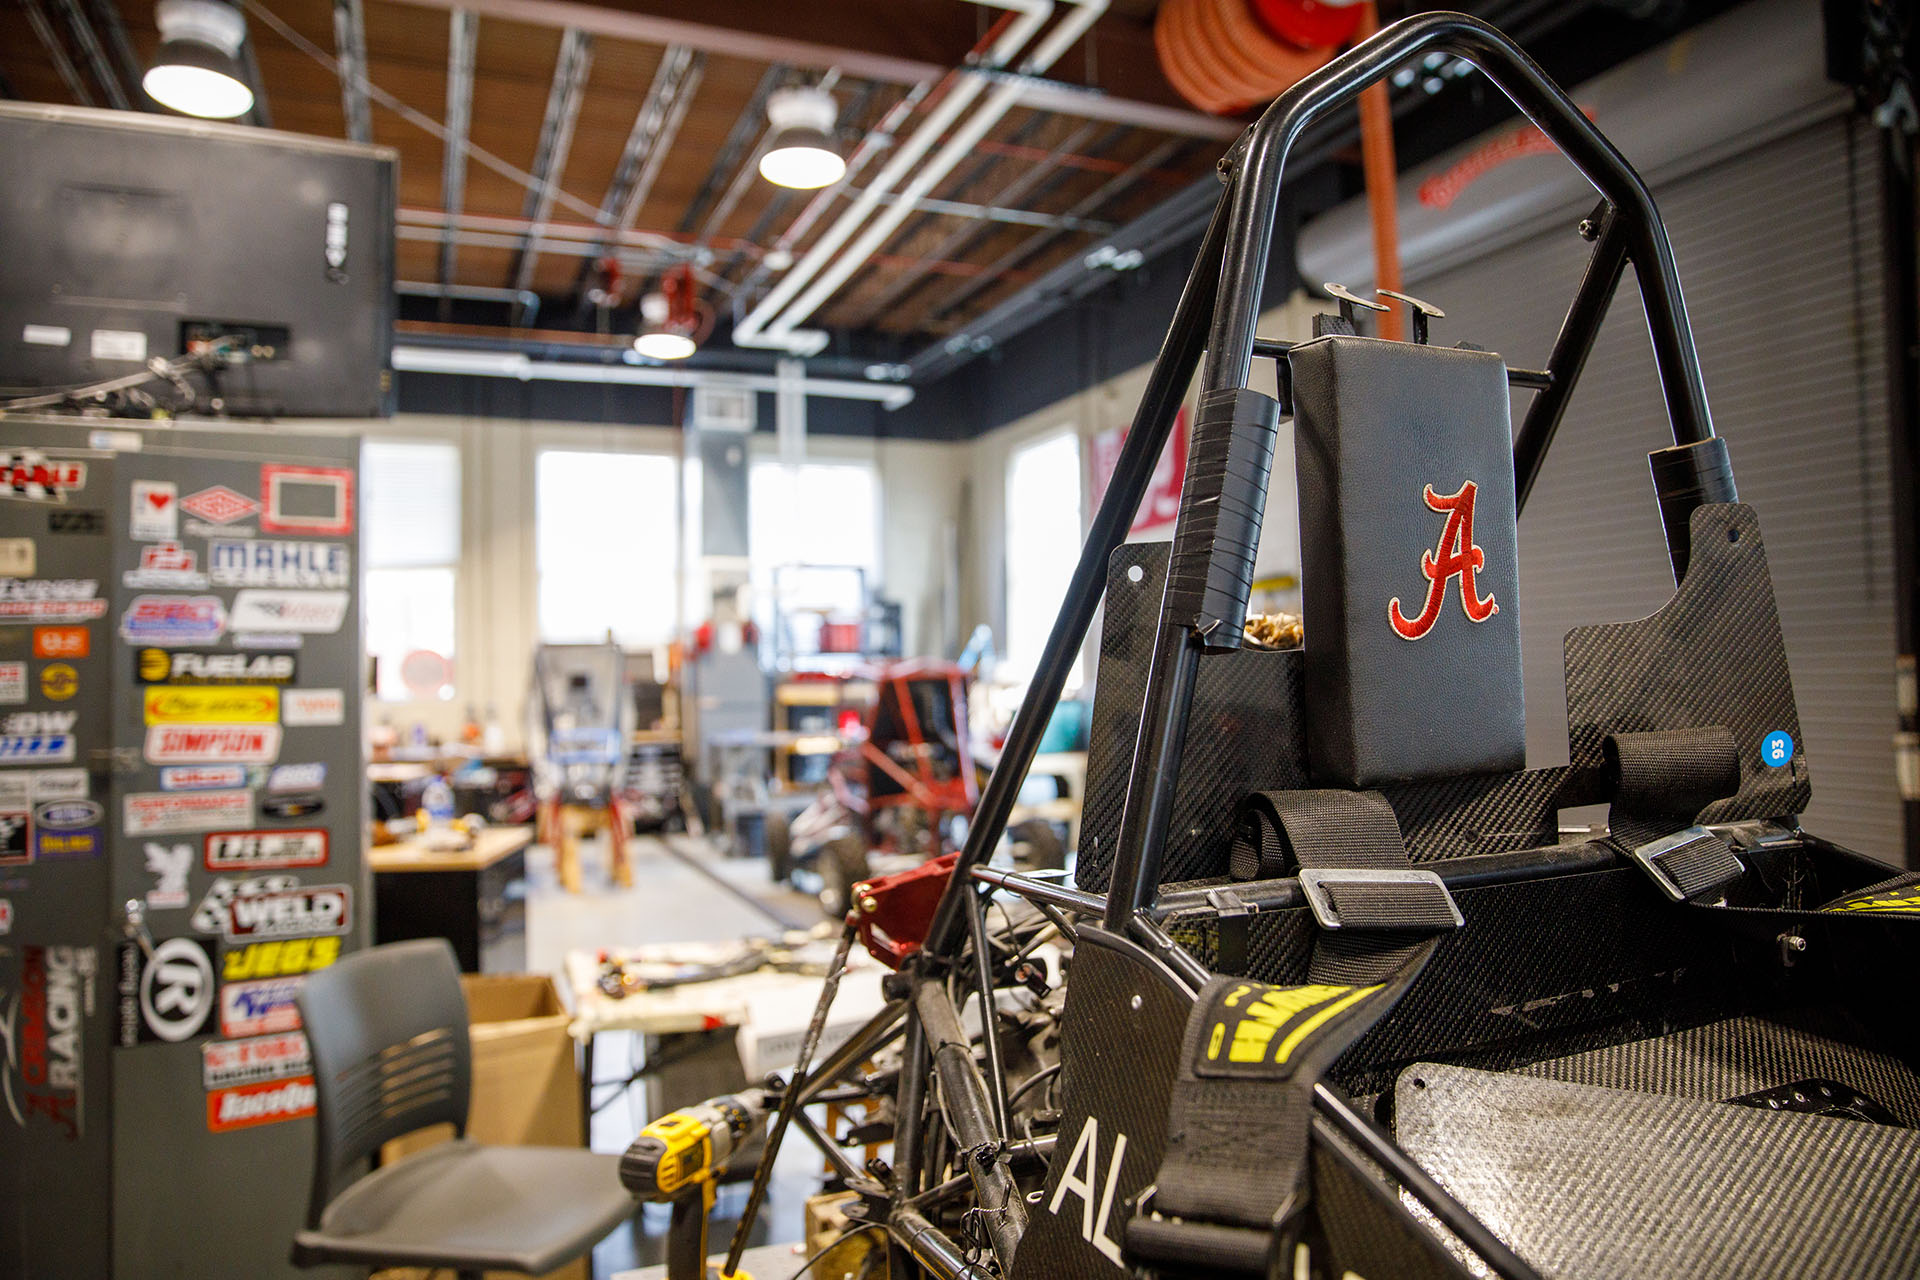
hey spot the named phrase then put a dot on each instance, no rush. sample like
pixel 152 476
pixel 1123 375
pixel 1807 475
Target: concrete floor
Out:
pixel 684 890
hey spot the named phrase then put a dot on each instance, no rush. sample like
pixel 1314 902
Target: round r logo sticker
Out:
pixel 1776 749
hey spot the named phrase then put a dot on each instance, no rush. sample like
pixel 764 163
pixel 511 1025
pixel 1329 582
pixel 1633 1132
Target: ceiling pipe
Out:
pixel 779 325
pixel 749 332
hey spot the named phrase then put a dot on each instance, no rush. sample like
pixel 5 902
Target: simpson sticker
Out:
pixel 58 682
pixel 295 612
pixel 224 1063
pixel 271 563
pixel 306 499
pixel 202 777
pixel 62 642
pixel 166 564
pixel 42 1033
pixel 50 600
pixel 194 667
pixel 16 836
pixel 168 997
pixel 212 744
pixel 218 505
pixel 75 520
pixel 156 511
pixel 174 620
pixel 273 907
pixel 291 807
pixel 67 829
pixel 288 959
pixel 260 1006
pixel 314 707
pixel 30 476
pixel 297 777
pixel 168 864
pixel 148 813
pixel 229 704
pixel 249 1105
pixel 258 850
pixel 13 682
pixel 17 557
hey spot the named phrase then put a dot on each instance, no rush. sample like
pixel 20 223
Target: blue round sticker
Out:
pixel 1776 749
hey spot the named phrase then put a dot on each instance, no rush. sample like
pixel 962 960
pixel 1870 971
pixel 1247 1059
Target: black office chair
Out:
pixel 388 1031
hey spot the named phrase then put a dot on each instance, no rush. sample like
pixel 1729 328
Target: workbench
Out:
pixel 474 898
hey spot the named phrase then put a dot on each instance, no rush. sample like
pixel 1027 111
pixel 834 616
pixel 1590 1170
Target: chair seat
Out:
pixel 467 1206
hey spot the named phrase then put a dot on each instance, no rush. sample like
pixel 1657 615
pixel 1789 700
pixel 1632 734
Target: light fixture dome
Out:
pixel 801 152
pixel 669 318
pixel 197 69
pixel 665 344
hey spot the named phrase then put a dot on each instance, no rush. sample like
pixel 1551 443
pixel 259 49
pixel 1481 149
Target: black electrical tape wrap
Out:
pixel 1211 574
pixel 1686 476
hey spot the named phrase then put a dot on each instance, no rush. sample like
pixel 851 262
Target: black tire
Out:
pixel 779 847
pixel 1044 849
pixel 842 865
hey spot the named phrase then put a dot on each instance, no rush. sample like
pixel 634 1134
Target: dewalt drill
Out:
pixel 678 1160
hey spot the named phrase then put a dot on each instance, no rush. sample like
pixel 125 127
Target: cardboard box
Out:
pixel 526 1086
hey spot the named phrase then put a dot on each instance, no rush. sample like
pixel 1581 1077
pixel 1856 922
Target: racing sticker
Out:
pixel 212 744
pixel 202 777
pixel 168 864
pixel 67 829
pixel 220 704
pixel 18 557
pixel 260 1006
pixel 16 834
pixel 268 562
pixel 262 850
pixel 290 612
pixel 6 917
pixel 218 505
pixel 58 681
pixel 167 564
pixel 150 813
pixel 75 520
pixel 314 707
pixel 174 620
pixel 42 1033
pixel 62 642
pixel 276 906
pixel 248 1105
pixel 35 737
pixel 31 476
pixel 291 807
pixel 225 1063
pixel 156 511
pixel 196 667
pixel 51 600
pixel 13 682
pixel 169 996
pixel 287 959
pixel 297 777
pixel 306 499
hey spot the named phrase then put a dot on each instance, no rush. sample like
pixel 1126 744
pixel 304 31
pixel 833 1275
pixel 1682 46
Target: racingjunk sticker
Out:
pixel 259 850
pixel 174 620
pixel 212 744
pixel 292 612
pixel 50 600
pixel 314 707
pixel 33 477
pixel 271 563
pixel 42 1038
pixel 192 666
pixel 228 704
pixel 158 812
pixel 248 1105
pixel 224 1063
pixel 273 907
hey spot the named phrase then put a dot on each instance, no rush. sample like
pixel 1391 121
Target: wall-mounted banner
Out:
pixel 150 813
pixel 261 850
pixel 50 600
pixel 306 499
pixel 298 612
pixel 314 707
pixel 220 704
pixel 271 563
pixel 212 744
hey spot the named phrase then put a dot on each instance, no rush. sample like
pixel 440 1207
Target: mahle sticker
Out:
pixel 267 562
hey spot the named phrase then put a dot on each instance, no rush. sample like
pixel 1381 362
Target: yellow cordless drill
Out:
pixel 678 1160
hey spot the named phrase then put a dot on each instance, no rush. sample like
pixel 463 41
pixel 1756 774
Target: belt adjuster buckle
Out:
pixel 1315 880
pixel 1686 847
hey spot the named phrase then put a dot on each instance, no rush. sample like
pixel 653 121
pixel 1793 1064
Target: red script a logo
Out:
pixel 1455 557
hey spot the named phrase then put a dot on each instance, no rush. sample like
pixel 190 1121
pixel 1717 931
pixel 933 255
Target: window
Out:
pixel 604 547
pixel 410 516
pixel 822 515
pixel 1043 544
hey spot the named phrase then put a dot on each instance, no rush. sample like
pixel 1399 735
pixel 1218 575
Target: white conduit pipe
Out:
pixel 748 333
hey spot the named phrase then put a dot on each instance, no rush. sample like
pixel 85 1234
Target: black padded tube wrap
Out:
pixel 1686 476
pixel 1211 574
pixel 1673 774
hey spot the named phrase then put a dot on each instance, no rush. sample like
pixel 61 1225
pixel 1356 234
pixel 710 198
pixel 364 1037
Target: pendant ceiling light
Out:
pixel 670 319
pixel 801 153
pixel 197 70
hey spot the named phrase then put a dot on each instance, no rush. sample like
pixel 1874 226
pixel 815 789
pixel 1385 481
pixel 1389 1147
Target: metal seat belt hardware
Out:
pixel 1232 928
pixel 1689 864
pixel 1432 908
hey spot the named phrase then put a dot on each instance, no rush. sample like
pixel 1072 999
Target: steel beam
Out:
pixel 259 113
pixel 113 31
pixel 556 141
pixel 56 52
pixel 350 46
pixel 463 34
pixel 96 56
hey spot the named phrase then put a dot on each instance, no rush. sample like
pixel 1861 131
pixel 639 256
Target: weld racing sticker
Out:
pixel 273 907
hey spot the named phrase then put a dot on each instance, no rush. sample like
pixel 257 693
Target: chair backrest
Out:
pixel 388 1032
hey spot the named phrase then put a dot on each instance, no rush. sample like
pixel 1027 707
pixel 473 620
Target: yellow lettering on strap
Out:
pixel 1269 1013
pixel 1313 1023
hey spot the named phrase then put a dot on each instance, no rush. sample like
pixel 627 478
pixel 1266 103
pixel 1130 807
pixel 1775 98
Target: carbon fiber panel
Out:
pixel 1368 1231
pixel 1712 655
pixel 1597 1183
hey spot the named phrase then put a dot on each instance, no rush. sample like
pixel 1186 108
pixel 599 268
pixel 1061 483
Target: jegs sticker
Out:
pixel 156 511
pixel 212 744
pixel 169 996
pixel 291 612
pixel 168 864
pixel 288 959
pixel 314 707
pixel 306 499
pixel 273 907
pixel 31 476
pixel 260 850
pixel 150 813
pixel 174 620
pixel 271 563
pixel 224 1063
pixel 260 1006
pixel 248 1105
pixel 219 704
pixel 51 600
